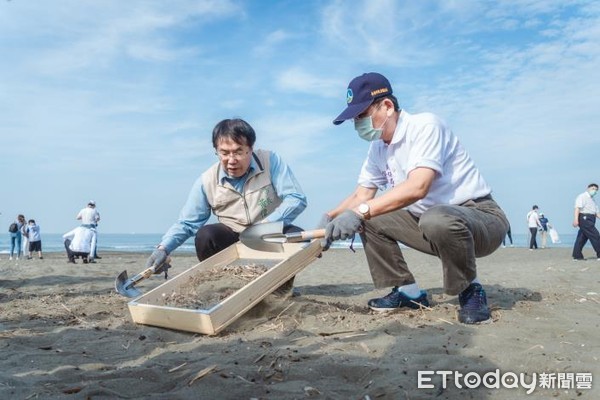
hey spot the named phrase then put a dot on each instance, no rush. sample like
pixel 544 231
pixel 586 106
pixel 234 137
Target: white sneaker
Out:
pixel 10 258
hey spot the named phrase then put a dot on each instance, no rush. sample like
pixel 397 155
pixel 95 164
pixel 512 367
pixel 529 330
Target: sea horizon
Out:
pixel 146 242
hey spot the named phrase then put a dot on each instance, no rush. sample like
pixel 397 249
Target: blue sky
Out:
pixel 115 100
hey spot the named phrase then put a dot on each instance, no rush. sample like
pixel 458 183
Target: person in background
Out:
pixel 533 223
pixel 544 226
pixel 16 236
pixel 586 211
pixel 78 243
pixel 245 187
pixel 35 239
pixel 436 202
pixel 89 217
pixel 24 238
pixel 509 234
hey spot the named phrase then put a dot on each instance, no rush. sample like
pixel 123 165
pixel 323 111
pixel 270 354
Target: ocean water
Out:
pixel 52 242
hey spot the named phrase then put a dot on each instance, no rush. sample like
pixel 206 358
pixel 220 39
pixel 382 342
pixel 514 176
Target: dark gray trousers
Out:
pixel 457 234
pixel 587 231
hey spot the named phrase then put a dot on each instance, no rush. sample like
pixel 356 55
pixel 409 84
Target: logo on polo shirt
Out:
pixel 349 96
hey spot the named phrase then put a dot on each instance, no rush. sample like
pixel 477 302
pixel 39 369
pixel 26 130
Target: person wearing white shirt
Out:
pixel 79 242
pixel 434 200
pixel 586 211
pixel 89 217
pixel 533 223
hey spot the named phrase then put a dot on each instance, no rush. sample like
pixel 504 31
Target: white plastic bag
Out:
pixel 553 235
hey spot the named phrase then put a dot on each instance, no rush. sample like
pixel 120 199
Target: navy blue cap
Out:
pixel 362 92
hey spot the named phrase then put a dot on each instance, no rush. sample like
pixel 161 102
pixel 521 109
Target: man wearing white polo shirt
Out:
pixel 586 211
pixel 436 202
pixel 89 217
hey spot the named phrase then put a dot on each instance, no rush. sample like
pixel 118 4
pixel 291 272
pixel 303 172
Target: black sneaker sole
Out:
pixel 417 306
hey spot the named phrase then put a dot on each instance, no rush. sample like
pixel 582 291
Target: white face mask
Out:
pixel 365 129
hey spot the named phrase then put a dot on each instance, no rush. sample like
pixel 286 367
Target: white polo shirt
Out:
pixel 586 204
pixel 424 140
pixel 89 216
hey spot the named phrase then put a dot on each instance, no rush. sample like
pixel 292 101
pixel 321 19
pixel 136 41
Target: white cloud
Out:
pixel 122 96
pixel 296 79
pixel 93 35
pixel 383 32
pixel 271 42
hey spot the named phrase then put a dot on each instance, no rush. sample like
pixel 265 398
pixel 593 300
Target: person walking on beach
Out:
pixel 586 211
pixel 89 217
pixel 544 226
pixel 35 239
pixel 245 187
pixel 533 223
pixel 437 202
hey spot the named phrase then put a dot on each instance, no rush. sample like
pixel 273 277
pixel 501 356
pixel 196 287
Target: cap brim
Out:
pixel 352 111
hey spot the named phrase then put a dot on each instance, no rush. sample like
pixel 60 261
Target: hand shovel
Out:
pixel 270 237
pixel 126 287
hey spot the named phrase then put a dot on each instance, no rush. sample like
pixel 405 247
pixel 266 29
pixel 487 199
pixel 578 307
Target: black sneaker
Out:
pixel 396 300
pixel 473 305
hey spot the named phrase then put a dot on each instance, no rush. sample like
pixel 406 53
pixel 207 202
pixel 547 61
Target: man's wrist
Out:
pixel 364 210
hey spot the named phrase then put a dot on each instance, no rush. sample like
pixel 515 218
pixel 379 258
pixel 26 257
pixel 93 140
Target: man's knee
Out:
pixel 210 239
pixel 438 222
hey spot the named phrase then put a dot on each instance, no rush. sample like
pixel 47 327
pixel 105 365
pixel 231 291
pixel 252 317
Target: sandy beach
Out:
pixel 65 333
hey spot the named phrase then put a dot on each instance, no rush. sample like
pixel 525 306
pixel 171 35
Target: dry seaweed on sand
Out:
pixel 209 287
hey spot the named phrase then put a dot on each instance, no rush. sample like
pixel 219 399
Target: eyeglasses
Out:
pixel 236 155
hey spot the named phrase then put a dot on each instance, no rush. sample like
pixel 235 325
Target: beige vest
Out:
pixel 240 210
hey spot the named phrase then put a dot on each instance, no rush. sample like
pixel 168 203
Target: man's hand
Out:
pixel 157 259
pixel 325 219
pixel 344 226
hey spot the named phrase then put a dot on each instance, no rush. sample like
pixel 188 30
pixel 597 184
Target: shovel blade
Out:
pixel 125 286
pixel 264 237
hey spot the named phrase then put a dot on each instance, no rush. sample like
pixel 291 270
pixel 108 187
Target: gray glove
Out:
pixel 344 226
pixel 325 219
pixel 156 260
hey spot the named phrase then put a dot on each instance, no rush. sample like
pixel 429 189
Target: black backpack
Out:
pixel 13 227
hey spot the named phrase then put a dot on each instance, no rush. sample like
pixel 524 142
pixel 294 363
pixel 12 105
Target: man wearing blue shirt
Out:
pixel 244 187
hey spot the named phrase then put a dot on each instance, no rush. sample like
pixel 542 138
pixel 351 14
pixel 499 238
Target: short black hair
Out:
pixel 236 129
pixel 392 98
pixel 593 185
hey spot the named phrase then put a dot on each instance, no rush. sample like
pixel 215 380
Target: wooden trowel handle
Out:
pixel 305 235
